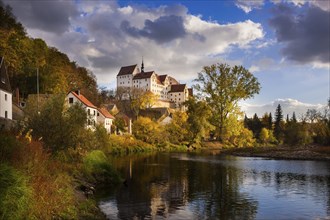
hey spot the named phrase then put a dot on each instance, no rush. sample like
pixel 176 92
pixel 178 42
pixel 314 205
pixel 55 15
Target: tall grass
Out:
pixel 15 194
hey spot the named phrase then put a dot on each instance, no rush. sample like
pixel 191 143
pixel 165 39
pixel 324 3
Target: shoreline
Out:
pixel 282 152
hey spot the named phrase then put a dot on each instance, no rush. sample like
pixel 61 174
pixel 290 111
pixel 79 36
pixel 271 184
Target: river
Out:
pixel 213 186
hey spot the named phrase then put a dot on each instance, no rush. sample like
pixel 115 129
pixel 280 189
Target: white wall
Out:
pixel 6 105
pixel 105 122
pixel 91 112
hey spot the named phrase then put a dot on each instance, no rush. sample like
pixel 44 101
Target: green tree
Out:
pixel 58 126
pixel 223 87
pixel 147 130
pixel 199 114
pixel 177 129
pixel 266 121
pixel 278 126
pixel 235 134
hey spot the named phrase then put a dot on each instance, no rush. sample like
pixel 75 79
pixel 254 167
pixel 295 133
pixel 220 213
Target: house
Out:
pixel 5 92
pixel 94 115
pixel 105 118
pixel 164 86
pixel 74 97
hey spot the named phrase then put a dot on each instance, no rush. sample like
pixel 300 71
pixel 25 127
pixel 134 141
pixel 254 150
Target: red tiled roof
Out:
pixel 125 70
pixel 105 113
pixel 84 100
pixel 178 88
pixel 143 75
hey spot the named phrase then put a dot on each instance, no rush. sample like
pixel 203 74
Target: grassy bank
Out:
pixel 37 183
pixel 283 152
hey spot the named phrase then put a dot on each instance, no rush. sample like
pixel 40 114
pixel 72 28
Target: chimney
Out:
pixel 77 91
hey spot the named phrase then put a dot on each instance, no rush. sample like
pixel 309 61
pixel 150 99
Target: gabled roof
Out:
pixel 173 81
pixel 162 78
pixel 143 75
pixel 4 79
pixel 125 70
pixel 105 113
pixel 178 88
pixel 84 100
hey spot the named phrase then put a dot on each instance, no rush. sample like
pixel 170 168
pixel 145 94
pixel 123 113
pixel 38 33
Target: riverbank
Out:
pixel 283 152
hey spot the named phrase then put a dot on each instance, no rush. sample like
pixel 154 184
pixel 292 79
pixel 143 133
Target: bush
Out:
pixel 8 147
pixel 148 131
pixel 126 144
pixel 98 169
pixel 15 194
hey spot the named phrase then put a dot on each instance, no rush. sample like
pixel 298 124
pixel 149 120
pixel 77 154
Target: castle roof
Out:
pixel 143 75
pixel 178 88
pixel 125 70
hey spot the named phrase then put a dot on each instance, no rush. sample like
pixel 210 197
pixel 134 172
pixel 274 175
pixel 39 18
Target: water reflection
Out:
pixel 194 186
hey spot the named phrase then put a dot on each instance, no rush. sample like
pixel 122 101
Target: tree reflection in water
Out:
pixel 191 186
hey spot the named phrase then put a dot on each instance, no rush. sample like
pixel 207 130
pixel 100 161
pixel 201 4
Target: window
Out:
pixel 88 112
pixel 6 114
pixel 70 100
pixel 5 97
pixel 145 80
pixel 3 79
pixel 94 112
pixel 98 114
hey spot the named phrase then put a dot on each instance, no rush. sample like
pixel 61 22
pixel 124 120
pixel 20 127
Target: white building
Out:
pixel 94 115
pixel 5 93
pixel 75 97
pixel 105 118
pixel 165 87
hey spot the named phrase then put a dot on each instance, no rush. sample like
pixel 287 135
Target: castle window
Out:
pixel 70 100
pixel 6 114
pixel 5 97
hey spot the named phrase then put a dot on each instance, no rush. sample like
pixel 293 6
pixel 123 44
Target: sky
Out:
pixel 284 43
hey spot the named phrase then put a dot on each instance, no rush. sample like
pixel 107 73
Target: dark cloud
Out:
pixel 307 36
pixel 51 16
pixel 162 30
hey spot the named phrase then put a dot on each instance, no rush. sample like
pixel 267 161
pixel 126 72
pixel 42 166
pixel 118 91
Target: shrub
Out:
pixel 147 130
pixel 8 147
pixel 126 144
pixel 98 169
pixel 15 193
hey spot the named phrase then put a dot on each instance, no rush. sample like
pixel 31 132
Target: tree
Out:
pixel 199 114
pixel 223 87
pixel 147 130
pixel 294 119
pixel 278 127
pixel 267 121
pixel 178 129
pixel 58 126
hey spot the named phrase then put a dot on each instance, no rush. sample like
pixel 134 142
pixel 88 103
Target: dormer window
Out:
pixel 3 79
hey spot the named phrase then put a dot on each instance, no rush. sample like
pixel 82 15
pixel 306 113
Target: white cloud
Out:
pixel 247 6
pixel 103 46
pixel 323 4
pixel 288 107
